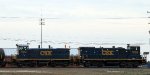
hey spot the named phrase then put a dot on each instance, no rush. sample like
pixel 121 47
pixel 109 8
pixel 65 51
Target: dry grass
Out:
pixel 74 71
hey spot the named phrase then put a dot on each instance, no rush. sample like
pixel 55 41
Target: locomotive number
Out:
pixel 135 52
pixel 107 52
pixel 45 53
pixel 22 51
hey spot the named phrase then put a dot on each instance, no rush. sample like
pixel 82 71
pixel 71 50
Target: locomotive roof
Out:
pixel 134 46
pixel 46 48
pixel 22 45
pixel 104 47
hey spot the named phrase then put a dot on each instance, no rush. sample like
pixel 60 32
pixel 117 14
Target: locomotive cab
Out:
pixel 22 49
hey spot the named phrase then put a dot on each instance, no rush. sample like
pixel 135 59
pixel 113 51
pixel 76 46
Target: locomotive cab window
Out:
pixel 22 47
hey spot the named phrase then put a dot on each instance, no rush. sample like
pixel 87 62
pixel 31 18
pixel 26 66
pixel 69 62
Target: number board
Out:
pixel 46 53
pixel 107 52
pixel 135 52
pixel 23 51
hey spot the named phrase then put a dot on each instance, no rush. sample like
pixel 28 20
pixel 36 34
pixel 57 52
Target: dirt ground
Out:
pixel 74 71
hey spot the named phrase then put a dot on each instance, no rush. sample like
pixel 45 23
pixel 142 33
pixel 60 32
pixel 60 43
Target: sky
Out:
pixel 97 17
pixel 72 9
pixel 75 22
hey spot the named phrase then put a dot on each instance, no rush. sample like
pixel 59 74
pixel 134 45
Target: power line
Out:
pixel 15 17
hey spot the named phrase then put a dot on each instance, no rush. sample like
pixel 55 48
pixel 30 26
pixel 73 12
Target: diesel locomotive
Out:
pixel 36 57
pixel 130 57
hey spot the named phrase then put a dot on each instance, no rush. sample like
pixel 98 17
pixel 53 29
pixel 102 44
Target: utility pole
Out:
pixel 42 23
pixel 146 53
pixel 149 30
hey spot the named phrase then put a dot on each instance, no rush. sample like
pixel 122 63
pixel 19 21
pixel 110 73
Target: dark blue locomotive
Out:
pixel 130 57
pixel 42 56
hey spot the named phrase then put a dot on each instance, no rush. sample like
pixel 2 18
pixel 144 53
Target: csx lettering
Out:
pixel 46 53
pixel 107 52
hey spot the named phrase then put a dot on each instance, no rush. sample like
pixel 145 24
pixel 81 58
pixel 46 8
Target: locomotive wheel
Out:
pixel 122 65
pixel 64 65
pixel 31 65
pixel 135 64
pixel 19 65
pixel 3 65
pixel 87 64
pixel 39 65
pixel 129 65
pixel 101 64
pixel 53 65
